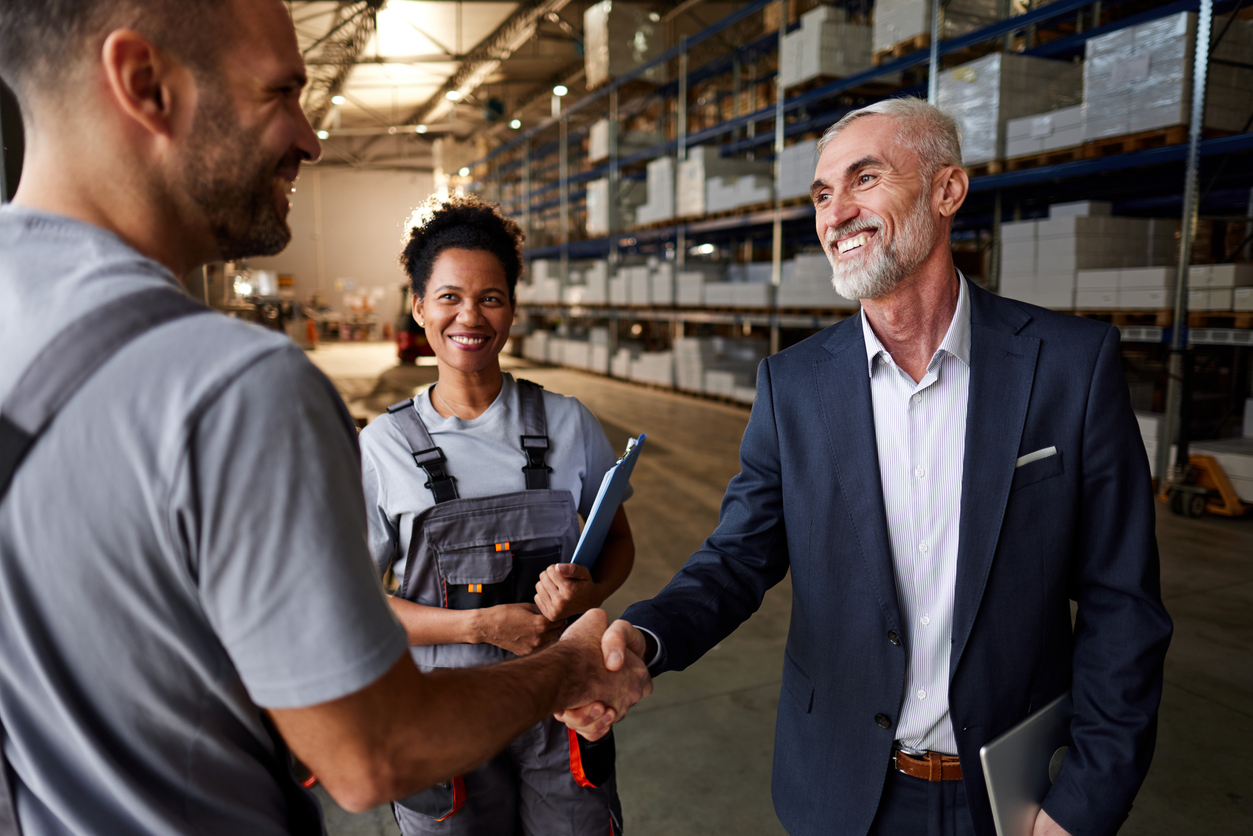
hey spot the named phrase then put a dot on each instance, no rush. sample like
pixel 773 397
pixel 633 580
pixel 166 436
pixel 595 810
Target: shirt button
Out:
pixel 894 638
pixel 922 547
pixel 917 399
pixel 883 721
pixel 926 619
pixel 919 472
pixel 922 695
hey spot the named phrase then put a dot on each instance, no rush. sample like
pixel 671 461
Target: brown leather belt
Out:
pixel 929 767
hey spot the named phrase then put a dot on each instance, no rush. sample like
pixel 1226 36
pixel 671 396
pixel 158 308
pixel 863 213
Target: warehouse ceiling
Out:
pixel 388 77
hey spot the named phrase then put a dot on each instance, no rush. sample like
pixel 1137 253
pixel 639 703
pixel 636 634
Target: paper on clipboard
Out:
pixel 612 487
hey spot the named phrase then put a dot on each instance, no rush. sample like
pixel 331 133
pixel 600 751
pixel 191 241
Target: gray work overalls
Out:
pixel 481 552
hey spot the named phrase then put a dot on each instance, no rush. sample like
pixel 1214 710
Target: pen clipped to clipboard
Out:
pixel 608 499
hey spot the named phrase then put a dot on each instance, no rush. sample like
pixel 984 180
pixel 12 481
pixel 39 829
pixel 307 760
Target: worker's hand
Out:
pixel 565 589
pixel 518 628
pixel 622 654
pixel 1045 826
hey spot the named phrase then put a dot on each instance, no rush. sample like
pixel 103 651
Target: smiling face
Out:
pixel 874 209
pixel 250 134
pixel 465 311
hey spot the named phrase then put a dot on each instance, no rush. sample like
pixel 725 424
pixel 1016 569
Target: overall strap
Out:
pixel 427 456
pixel 56 374
pixel 534 435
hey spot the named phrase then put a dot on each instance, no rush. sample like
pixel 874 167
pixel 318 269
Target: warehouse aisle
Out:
pixel 695 757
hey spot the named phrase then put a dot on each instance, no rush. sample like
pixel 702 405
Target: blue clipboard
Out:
pixel 612 487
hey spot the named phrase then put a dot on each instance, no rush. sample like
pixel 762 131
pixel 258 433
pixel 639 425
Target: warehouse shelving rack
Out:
pixel 1138 181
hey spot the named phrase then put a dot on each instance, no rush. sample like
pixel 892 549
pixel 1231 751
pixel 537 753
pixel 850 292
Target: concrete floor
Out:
pixel 695 757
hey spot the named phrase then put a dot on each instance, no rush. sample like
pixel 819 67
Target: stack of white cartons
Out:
pixel 796 169
pixel 1211 287
pixel 598 350
pixel 617 38
pixel 703 163
pixel 1150 426
pixel 620 364
pixel 1044 132
pixel 661 277
pixel 535 346
pixel 825 45
pixel 577 353
pixel 729 191
pixel 620 287
pixel 1242 299
pixel 748 286
pixel 1235 456
pixel 597 278
pixel 654 367
pixel 689 283
pixel 575 289
pixel 1040 260
pixel 695 358
pixel 546 281
pixel 1140 78
pixel 598 217
pixel 900 20
pixel 638 284
pixel 629 142
pixel 660 203
pixel 1128 288
pixel 807 284
pixel 985 94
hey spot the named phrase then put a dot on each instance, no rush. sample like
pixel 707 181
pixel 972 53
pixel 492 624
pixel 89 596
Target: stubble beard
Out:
pixel 880 272
pixel 230 177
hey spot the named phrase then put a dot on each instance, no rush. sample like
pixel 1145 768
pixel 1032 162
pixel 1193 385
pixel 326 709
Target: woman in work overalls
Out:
pixel 474 490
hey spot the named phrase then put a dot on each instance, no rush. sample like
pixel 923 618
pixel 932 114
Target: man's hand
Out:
pixel 618 680
pixel 1045 826
pixel 518 628
pixel 565 589
pixel 621 644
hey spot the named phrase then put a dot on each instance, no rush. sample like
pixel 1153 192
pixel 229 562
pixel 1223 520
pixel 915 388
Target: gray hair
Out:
pixel 922 127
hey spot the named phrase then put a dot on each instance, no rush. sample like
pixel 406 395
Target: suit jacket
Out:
pixel 1075 525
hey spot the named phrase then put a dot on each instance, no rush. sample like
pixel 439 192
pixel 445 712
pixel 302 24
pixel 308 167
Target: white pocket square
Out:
pixel 1036 456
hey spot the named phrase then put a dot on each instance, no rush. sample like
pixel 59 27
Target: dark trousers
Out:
pixel 921 808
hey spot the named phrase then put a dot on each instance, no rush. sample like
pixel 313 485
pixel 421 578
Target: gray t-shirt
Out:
pixel 185 543
pixel 484 455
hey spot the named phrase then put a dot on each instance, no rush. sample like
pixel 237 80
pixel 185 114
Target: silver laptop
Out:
pixel 1021 765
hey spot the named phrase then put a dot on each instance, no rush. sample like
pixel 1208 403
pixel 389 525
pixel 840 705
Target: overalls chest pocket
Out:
pixel 485 576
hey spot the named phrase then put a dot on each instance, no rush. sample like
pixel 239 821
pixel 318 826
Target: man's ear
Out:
pixel 952 185
pixel 147 85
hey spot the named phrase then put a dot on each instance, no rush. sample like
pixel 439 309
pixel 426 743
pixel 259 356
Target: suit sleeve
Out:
pixel 1122 629
pixel 723 584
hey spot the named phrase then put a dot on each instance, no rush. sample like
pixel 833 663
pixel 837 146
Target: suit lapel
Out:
pixel 1002 370
pixel 843 386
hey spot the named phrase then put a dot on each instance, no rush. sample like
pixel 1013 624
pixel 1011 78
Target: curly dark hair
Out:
pixel 463 223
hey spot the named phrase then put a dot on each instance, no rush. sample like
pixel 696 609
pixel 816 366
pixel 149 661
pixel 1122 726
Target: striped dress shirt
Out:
pixel 920 433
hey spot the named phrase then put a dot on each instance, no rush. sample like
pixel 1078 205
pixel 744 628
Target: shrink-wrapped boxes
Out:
pixel 653 367
pixel 1042 132
pixel 729 191
pixel 598 219
pixel 718 365
pixel 748 287
pixel 1140 78
pixel 689 283
pixel 1242 300
pixel 807 284
pixel 619 288
pixel 1220 276
pixel 901 20
pixel 824 45
pixel 545 281
pixel 620 363
pixel 535 346
pixel 661 277
pixel 639 284
pixel 597 279
pixel 617 38
pixel 660 203
pixel 629 142
pixel 703 164
pixel 796 169
pixel 983 95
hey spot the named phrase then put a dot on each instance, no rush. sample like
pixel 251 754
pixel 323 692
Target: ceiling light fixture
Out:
pixel 560 90
pixel 323 134
pixel 338 100
pixel 453 95
pixel 465 171
pixel 515 124
pixel 420 129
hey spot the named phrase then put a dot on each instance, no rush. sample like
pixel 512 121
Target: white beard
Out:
pixel 878 273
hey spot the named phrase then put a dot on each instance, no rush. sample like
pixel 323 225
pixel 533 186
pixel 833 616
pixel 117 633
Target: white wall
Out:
pixel 349 225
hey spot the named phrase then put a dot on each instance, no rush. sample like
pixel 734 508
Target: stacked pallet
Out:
pixel 806 284
pixel 825 45
pixel 719 365
pixel 709 182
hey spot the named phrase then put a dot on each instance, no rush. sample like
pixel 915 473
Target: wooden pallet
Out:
pixel 903 48
pixel 1157 318
pixel 1054 157
pixel 981 169
pixel 1220 319
pixel 1142 141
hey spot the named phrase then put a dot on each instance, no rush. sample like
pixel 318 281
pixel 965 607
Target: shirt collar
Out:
pixel 956 340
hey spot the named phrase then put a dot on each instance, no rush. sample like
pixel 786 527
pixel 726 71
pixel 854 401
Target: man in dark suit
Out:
pixel 942 474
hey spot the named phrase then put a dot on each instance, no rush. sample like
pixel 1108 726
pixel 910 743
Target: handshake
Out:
pixel 609 673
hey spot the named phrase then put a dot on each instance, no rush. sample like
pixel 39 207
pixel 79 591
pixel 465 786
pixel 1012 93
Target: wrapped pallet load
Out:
pixel 1140 78
pixel 618 37
pixel 897 21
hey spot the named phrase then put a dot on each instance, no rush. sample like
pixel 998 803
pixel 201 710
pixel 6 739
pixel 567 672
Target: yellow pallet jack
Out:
pixel 1207 490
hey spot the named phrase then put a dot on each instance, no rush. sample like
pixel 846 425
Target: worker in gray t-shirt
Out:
pixel 184 573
